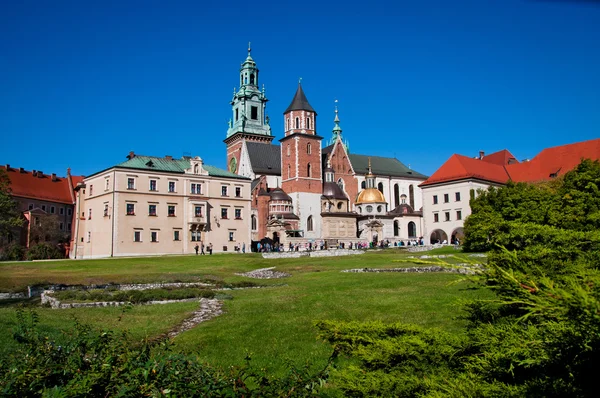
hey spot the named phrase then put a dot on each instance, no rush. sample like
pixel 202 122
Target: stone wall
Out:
pixel 317 253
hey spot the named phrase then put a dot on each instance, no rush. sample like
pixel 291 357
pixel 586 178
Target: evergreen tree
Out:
pixel 9 215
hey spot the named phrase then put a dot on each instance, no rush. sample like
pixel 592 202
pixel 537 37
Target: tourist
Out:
pixel 201 248
pixel 244 248
pixel 210 249
pixel 196 248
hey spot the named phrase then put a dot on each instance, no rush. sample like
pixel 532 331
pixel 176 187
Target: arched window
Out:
pixel 246 79
pixel 363 185
pixel 297 123
pixel 380 187
pixel 307 122
pixel 196 168
pixel 251 78
pixel 287 124
pixel 396 195
pixel 412 230
pixel 253 220
pixel 308 171
pixel 308 148
pixel 396 228
pixel 309 223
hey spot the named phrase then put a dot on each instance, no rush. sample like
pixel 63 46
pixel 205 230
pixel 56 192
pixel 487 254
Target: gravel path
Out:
pixel 265 273
pixel 209 308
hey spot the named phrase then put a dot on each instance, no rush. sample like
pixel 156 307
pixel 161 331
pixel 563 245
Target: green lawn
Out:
pixel 274 324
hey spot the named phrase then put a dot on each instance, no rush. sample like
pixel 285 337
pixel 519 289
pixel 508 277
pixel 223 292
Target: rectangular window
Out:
pixel 231 236
pixel 171 211
pixel 195 236
pixel 447 216
pixel 436 217
pixel 446 198
pixel 193 188
pixel 44 207
pixel 31 206
pixel 154 236
pixel 69 212
pixel 91 190
pixel 61 211
pixel 224 190
pixel 238 214
pixel 198 211
pixel 61 226
pixel 153 185
pixel 137 236
pixel 457 196
pixel 89 214
pixel 223 213
pixel 254 112
pixel 435 199
pixel 106 210
pixel 130 209
pixel 238 192
pixel 52 209
pixel 131 183
pixel 89 237
pixel 151 210
pixel 171 186
pixel 458 215
pixel 106 184
pixel 175 235
pixel 69 226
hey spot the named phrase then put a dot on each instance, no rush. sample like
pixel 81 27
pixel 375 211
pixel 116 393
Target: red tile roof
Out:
pixel 460 167
pixel 555 161
pixel 548 164
pixel 25 184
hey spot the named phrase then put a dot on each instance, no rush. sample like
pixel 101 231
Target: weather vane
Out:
pixel 300 81
pixel 249 48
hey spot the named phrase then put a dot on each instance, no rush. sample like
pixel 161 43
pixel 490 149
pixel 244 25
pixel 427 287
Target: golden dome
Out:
pixel 370 195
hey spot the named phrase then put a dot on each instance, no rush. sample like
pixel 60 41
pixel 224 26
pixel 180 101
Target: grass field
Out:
pixel 274 324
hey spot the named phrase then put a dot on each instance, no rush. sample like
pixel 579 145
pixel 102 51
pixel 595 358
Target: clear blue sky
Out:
pixel 84 82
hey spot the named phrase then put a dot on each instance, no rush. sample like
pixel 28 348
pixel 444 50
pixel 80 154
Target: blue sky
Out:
pixel 82 83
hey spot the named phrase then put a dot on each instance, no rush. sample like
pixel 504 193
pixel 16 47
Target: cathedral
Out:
pixel 305 192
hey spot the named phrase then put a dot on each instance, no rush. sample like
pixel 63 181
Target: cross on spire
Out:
pixel 249 48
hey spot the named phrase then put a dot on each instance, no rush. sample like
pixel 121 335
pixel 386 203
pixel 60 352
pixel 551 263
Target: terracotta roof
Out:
pixel 501 158
pixel 460 167
pixel 549 163
pixel 554 162
pixel 26 184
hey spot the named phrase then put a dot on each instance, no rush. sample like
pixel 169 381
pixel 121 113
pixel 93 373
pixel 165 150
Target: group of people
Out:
pixel 200 248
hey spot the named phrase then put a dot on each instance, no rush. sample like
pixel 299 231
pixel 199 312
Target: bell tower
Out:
pixel 249 121
pixel 301 169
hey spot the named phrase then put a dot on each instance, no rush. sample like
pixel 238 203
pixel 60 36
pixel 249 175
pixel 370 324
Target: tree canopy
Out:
pixel 9 215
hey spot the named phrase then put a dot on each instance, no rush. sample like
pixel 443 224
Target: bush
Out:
pixel 93 363
pixel 44 251
pixel 12 252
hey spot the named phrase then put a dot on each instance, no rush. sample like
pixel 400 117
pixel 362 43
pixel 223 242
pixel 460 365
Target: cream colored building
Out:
pixel 155 206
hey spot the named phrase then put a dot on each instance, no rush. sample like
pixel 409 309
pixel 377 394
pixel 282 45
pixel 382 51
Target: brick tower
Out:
pixel 301 171
pixel 249 121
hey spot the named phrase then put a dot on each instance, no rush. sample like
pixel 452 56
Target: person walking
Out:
pixel 244 248
pixel 201 248
pixel 210 249
pixel 196 248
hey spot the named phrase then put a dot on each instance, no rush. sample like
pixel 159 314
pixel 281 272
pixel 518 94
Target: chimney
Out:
pixel 21 170
pixel 54 177
pixel 7 167
pixel 68 171
pixel 40 174
pixel 168 157
pixel 481 154
pixel 512 160
pixel 34 173
pixel 131 155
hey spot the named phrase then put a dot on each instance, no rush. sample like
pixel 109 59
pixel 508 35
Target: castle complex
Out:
pixel 304 192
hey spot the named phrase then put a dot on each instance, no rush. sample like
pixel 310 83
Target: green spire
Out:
pixel 337 130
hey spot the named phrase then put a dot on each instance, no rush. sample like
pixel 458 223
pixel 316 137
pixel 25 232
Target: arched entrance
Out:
pixel 276 238
pixel 412 230
pixel 438 236
pixel 457 234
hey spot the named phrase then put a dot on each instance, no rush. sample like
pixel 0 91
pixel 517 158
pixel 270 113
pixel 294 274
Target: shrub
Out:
pixel 12 252
pixel 44 251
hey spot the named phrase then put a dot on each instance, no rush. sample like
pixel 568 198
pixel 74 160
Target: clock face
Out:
pixel 233 165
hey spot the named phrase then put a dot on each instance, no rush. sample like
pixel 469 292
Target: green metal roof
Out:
pixel 382 166
pixel 179 166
